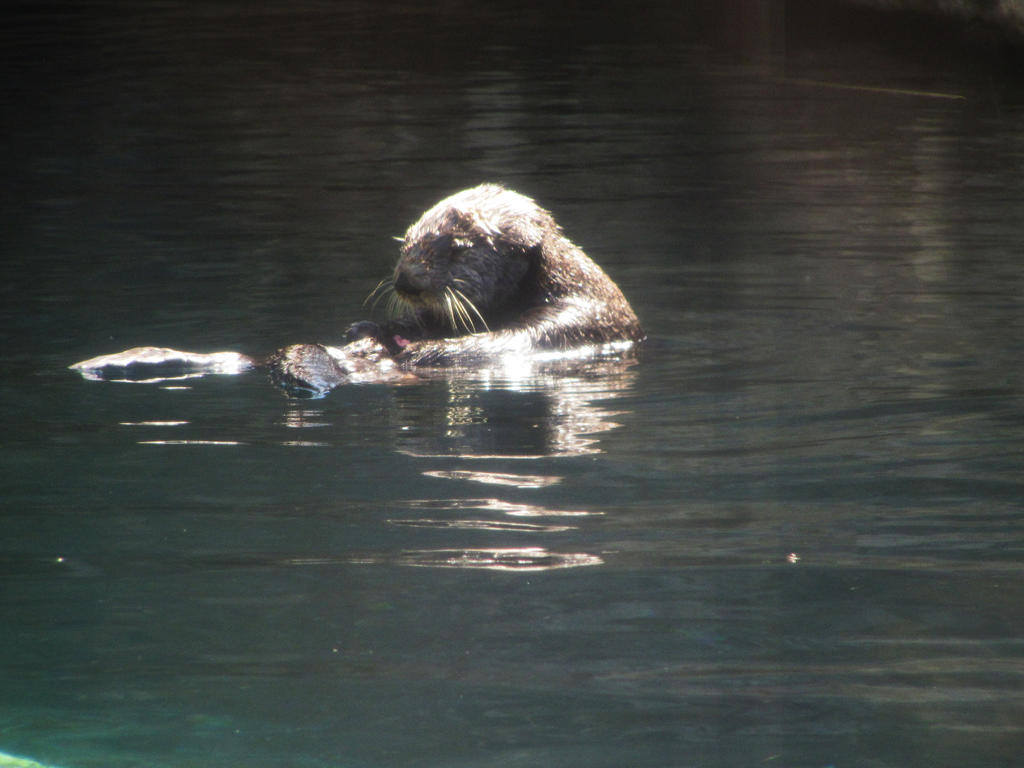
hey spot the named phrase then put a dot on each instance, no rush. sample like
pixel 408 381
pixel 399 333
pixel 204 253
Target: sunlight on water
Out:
pixel 500 506
pixel 507 559
pixel 190 442
pixel 483 525
pixel 495 478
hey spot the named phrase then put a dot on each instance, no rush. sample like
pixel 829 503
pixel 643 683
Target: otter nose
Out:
pixel 407 285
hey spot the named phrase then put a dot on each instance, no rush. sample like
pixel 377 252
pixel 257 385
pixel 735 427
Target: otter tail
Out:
pixel 155 364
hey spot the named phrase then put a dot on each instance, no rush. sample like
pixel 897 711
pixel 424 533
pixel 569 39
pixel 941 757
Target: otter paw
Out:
pixel 362 330
pixel 306 370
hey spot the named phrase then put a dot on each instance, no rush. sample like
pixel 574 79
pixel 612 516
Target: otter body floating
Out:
pixel 483 275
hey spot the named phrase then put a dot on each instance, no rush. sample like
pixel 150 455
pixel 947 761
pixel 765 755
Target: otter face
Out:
pixel 447 271
pixel 466 258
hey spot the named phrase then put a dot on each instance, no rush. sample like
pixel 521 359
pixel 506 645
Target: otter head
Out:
pixel 466 259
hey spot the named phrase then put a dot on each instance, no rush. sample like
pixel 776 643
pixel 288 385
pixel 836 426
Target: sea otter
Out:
pixel 484 274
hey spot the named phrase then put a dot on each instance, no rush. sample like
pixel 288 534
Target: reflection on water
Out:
pixel 521 419
pixel 483 525
pixel 515 559
pixel 553 414
pixel 153 423
pixel 524 559
pixel 190 442
pixel 495 478
pixel 498 506
pixel 559 409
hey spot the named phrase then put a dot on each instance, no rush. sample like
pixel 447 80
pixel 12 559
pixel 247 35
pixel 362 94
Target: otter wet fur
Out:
pixel 484 274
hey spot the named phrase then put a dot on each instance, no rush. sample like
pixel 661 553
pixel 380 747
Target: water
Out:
pixel 789 534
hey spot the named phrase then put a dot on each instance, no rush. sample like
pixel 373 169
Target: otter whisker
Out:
pixel 463 316
pixel 396 306
pixel 466 303
pixel 450 311
pixel 384 288
pixel 388 298
pixel 453 310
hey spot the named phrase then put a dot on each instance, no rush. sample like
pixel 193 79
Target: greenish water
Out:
pixel 790 533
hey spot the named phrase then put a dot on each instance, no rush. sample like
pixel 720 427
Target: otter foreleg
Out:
pixel 313 370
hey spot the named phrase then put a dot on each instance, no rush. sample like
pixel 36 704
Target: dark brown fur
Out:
pixel 525 286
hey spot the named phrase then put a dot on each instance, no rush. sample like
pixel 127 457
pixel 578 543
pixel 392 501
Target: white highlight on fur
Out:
pixel 215 362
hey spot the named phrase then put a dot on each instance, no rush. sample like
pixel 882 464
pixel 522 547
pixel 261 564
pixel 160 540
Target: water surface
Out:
pixel 789 533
